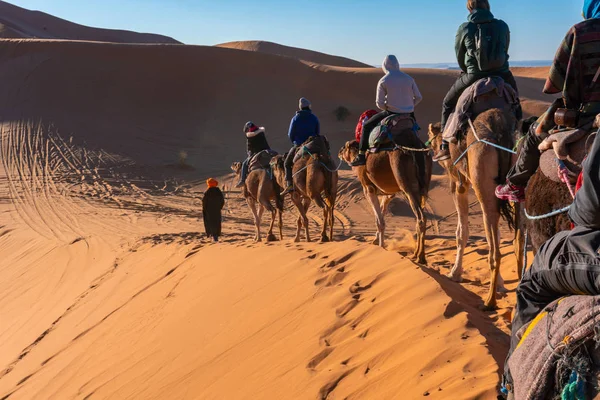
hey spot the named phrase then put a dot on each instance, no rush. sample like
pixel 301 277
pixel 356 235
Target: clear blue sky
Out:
pixel 417 31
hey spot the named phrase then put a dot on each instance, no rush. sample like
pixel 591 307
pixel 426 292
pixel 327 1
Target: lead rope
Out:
pixel 563 174
pixel 484 141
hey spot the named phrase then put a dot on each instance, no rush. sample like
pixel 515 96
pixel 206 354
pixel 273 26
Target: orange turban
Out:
pixel 212 183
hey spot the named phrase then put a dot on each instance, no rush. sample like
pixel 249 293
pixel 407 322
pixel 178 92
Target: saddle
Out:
pixel 561 339
pixel 261 160
pixel 571 146
pixel 318 145
pixel 483 95
pixel 395 130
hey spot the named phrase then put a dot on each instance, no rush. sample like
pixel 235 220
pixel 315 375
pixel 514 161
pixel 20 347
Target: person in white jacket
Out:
pixel 397 93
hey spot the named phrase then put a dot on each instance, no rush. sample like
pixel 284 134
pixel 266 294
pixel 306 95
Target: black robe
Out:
pixel 212 204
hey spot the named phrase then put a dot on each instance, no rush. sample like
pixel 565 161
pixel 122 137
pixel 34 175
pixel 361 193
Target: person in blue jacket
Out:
pixel 304 125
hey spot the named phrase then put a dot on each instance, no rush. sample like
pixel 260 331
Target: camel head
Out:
pixel 278 167
pixel 349 151
pixel 236 167
pixel 435 135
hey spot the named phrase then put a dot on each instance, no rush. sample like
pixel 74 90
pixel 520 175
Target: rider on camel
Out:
pixel 397 93
pixel 303 126
pixel 574 73
pixel 256 142
pixel 477 59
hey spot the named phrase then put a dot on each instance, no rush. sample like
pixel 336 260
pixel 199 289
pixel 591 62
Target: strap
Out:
pixel 595 80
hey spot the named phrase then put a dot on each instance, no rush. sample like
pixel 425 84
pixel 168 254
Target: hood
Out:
pixel 480 16
pixel 255 133
pixel 390 63
pixel 591 9
pixel 304 112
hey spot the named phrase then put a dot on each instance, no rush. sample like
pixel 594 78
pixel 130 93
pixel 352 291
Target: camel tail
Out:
pixel 279 202
pixel 506 130
pixel 427 162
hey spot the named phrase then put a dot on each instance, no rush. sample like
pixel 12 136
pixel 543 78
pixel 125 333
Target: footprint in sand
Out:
pixel 318 359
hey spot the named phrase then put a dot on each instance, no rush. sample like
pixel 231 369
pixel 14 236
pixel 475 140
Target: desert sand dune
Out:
pixel 17 22
pixel 140 111
pixel 109 290
pixel 294 52
pixel 531 72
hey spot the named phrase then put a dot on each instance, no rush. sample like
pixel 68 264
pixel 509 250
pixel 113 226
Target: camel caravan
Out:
pixel 541 175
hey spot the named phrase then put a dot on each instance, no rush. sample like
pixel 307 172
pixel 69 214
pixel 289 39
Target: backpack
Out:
pixel 490 47
pixel 364 117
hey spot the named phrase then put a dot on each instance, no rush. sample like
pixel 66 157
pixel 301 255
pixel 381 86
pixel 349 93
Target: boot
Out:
pixel 443 154
pixel 288 189
pixel 359 160
pixel 510 192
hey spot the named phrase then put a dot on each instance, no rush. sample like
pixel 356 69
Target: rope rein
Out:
pixel 548 215
pixel 306 151
pixel 484 141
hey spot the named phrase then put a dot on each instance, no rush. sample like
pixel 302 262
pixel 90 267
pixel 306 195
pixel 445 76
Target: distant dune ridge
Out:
pixel 294 52
pixel 17 22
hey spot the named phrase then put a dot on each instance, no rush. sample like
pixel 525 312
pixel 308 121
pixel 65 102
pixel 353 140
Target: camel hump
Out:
pixel 261 160
pixel 314 146
pixel 484 95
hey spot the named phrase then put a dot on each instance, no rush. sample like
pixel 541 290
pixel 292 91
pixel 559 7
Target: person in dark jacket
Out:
pixel 212 204
pixel 568 263
pixel 572 73
pixel 304 125
pixel 256 142
pixel 477 58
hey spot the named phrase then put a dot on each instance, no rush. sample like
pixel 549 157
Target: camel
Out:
pixel 542 196
pixel 482 168
pixel 312 182
pixel 260 189
pixel 388 173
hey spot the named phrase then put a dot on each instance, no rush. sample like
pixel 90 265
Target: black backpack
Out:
pixel 490 46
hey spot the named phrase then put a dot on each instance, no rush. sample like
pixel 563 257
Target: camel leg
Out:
pixel 252 204
pixel 280 215
pixel 298 203
pixel 270 236
pixel 421 228
pixel 519 241
pixel 373 200
pixel 305 207
pixel 461 201
pixel 324 238
pixel 331 218
pixel 298 229
pixel 492 231
pixel 261 210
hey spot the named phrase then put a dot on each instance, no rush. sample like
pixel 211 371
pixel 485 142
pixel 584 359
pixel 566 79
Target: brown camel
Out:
pixel 388 173
pixel 312 182
pixel 545 195
pixel 482 168
pixel 260 189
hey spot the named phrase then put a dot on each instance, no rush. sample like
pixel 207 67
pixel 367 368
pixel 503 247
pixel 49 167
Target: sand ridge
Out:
pixel 17 22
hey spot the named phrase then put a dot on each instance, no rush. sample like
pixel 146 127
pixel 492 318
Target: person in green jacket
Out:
pixel 481 51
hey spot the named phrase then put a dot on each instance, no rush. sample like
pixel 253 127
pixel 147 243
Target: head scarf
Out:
pixel 212 183
pixel 591 9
